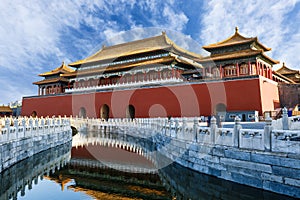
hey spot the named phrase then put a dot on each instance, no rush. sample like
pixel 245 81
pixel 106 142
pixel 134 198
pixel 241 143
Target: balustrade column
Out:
pixel 268 134
pixel 236 131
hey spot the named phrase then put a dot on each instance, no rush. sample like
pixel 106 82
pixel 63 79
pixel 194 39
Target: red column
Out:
pixel 249 68
pixel 203 72
pixel 270 73
pixel 173 73
pixel 237 69
pixel 144 76
pixel 221 71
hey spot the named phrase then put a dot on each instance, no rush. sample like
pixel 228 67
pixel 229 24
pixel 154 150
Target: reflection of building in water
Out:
pixel 107 167
pixel 133 78
pixel 118 151
pixel 15 178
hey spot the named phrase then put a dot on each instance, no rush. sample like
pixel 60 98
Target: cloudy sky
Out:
pixel 37 35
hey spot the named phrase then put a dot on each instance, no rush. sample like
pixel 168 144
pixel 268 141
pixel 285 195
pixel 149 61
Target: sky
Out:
pixel 37 35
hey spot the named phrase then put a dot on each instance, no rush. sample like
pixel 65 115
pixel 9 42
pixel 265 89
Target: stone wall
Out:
pixel 289 95
pixel 29 171
pixel 23 137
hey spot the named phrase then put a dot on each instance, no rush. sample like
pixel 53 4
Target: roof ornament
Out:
pixel 283 64
pixel 103 46
pixel 236 29
pixel 163 32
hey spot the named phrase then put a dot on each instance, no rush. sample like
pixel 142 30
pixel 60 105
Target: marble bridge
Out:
pixel 266 158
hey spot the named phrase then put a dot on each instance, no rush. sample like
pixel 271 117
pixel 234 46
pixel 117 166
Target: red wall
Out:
pixel 184 100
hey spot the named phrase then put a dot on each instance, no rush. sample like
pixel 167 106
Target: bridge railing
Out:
pixel 189 129
pixel 24 127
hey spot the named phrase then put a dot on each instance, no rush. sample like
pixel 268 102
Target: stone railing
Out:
pixel 287 123
pixel 188 129
pixel 23 137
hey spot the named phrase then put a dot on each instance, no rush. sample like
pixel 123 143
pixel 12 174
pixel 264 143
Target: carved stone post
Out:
pixel 176 126
pixel 285 119
pixel 195 128
pixel 268 134
pixel 236 131
pixel 213 129
pixel 184 126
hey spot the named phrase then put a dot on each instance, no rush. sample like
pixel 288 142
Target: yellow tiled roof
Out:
pixel 5 109
pixel 285 70
pixel 238 54
pixel 161 42
pixel 61 69
pixel 52 80
pixel 235 39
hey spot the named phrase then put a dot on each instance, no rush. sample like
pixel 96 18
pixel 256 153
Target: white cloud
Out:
pixel 265 19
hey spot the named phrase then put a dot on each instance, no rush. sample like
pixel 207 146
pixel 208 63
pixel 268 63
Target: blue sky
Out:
pixel 37 35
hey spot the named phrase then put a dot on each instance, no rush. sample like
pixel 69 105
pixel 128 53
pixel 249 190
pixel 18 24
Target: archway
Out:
pixel 130 112
pixel 34 114
pixel 82 112
pixel 104 112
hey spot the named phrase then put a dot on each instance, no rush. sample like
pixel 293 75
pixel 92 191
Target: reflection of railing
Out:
pixel 24 173
pixel 23 137
pixel 126 85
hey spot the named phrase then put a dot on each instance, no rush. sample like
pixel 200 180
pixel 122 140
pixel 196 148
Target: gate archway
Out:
pixel 82 112
pixel 130 112
pixel 104 112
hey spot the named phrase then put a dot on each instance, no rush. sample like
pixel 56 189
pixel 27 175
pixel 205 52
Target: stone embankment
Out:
pixel 23 137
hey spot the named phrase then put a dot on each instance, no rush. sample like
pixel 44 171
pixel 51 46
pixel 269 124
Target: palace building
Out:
pixel 154 77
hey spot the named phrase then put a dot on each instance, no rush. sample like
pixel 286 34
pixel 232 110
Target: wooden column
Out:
pixel 221 71
pixel 249 68
pixel 237 69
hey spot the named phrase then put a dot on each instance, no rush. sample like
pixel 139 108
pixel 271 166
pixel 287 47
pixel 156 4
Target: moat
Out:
pixel 99 169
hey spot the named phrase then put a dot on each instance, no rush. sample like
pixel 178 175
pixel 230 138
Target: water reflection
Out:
pixel 23 174
pixel 107 165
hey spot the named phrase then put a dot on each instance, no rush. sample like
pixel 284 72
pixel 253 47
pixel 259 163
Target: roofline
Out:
pixel 170 44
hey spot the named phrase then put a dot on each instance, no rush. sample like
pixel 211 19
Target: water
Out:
pixel 109 166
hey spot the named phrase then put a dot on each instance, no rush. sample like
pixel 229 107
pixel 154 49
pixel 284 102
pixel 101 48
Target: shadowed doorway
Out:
pixel 130 112
pixel 104 112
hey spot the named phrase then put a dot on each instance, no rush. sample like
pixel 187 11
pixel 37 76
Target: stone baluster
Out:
pixel 268 134
pixel 195 128
pixel 43 125
pixel 184 126
pixel 236 131
pixel 213 129
pixel 16 125
pixel 171 125
pixel 30 126
pixel 285 119
pixel 176 126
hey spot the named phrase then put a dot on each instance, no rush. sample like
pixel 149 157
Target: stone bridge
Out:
pixel 266 158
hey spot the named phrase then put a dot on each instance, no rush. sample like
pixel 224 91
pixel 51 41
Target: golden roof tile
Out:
pixel 237 54
pixel 235 39
pixel 61 69
pixel 161 42
pixel 285 70
pixel 5 109
pixel 52 80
